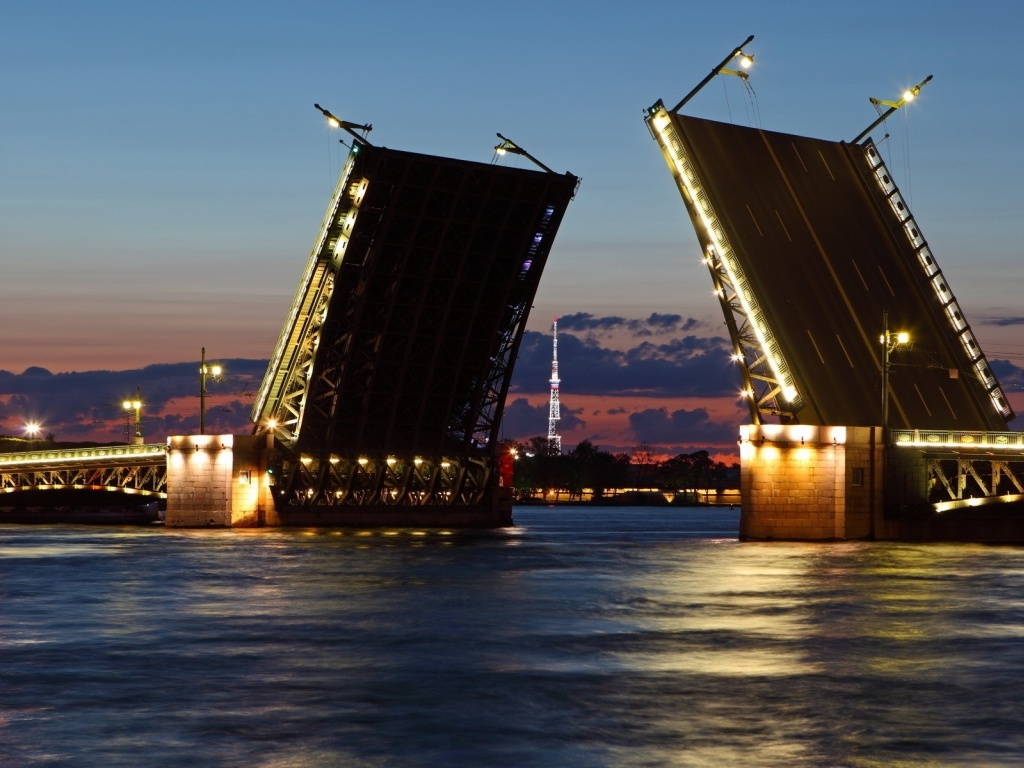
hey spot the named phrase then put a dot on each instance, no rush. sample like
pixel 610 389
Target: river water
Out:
pixel 581 637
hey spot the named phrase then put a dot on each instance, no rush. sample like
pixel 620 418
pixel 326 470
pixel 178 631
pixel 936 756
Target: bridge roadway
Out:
pixel 131 469
pixel 827 246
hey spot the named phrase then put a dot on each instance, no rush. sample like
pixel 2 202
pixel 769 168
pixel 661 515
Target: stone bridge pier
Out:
pixel 219 481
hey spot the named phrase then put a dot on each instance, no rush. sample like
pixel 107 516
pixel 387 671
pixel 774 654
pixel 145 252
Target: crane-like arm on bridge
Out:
pixel 507 145
pixel 737 51
pixel 347 126
pixel 908 95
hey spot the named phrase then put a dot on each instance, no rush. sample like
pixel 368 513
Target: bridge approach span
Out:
pixel 133 469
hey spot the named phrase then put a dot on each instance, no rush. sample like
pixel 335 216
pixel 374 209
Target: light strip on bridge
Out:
pixel 940 286
pixel 977 501
pixel 281 396
pixel 991 441
pixel 66 455
pixel 672 149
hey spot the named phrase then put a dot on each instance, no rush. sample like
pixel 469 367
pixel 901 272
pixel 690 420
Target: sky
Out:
pixel 163 175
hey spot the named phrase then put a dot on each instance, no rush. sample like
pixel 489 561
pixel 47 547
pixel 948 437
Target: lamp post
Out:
pixel 745 61
pixel 890 341
pixel 908 95
pixel 136 406
pixel 32 430
pixel 205 371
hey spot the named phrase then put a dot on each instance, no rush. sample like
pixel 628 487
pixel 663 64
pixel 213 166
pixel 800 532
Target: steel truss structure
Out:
pixel 991 477
pixel 963 465
pixel 768 382
pixel 389 379
pixel 133 469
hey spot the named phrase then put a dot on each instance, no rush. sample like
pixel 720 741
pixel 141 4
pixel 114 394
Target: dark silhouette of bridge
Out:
pixel 383 399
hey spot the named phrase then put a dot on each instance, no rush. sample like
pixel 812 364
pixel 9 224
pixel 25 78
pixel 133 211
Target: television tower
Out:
pixel 554 439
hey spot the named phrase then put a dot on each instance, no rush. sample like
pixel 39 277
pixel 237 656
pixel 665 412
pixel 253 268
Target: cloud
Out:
pixel 617 395
pixel 522 421
pixel 681 366
pixel 1010 377
pixel 654 323
pixel 1003 322
pixel 681 427
pixel 89 405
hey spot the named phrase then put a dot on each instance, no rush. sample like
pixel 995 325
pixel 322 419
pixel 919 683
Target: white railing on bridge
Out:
pixel 959 439
pixel 99 454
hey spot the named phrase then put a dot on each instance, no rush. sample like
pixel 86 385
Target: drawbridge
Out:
pixel 810 247
pixel 386 388
pixel 837 310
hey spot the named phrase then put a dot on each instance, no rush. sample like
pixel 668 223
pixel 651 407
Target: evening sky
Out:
pixel 164 172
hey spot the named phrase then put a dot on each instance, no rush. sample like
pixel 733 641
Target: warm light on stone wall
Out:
pixel 217 480
pixel 808 482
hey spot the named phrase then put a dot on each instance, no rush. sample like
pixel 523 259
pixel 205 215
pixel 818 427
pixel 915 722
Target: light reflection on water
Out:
pixel 582 637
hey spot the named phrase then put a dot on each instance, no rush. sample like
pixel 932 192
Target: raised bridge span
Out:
pixel 870 398
pixel 383 399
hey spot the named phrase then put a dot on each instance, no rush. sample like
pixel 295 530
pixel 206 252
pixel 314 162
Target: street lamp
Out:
pixel 745 60
pixel 32 430
pixel 908 95
pixel 509 146
pixel 205 370
pixel 890 342
pixel 129 406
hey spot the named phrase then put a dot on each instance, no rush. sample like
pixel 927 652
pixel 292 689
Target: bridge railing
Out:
pixel 106 453
pixel 959 439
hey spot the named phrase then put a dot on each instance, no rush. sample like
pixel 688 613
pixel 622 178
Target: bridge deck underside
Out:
pixel 429 305
pixel 826 259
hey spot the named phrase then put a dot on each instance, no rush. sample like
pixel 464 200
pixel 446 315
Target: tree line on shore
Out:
pixel 587 471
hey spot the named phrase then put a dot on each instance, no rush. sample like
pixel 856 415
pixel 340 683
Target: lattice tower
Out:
pixel 554 439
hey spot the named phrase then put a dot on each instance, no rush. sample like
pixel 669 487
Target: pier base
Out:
pixel 218 481
pixel 810 483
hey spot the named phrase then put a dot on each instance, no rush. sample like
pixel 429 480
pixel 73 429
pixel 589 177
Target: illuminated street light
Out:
pixel 136 406
pixel 908 95
pixel 345 125
pixel 890 343
pixel 205 371
pixel 745 61
pixel 510 147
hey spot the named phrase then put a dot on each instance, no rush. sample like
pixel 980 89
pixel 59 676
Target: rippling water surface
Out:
pixel 581 637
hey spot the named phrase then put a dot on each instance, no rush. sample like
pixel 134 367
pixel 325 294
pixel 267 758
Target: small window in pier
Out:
pixel 857 476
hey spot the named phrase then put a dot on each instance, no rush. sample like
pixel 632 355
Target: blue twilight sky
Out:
pixel 163 173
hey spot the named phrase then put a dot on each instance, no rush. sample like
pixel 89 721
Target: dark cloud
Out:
pixel 654 323
pixel 521 421
pixel 680 428
pixel 686 366
pixel 1010 377
pixel 88 405
pixel 1003 322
